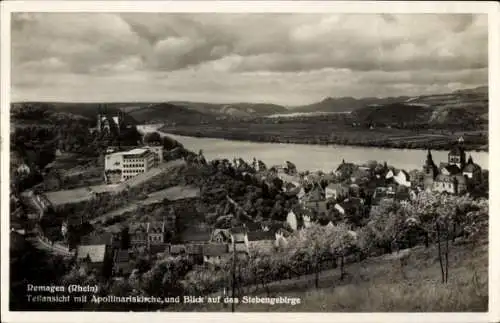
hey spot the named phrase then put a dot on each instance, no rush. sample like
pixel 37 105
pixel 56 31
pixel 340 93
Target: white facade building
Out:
pixel 158 150
pixel 131 163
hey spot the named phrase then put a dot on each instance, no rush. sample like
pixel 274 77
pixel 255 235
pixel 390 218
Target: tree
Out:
pixel 124 238
pixel 385 224
pixel 152 138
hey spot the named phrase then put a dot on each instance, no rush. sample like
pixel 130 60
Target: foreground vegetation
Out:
pixel 379 285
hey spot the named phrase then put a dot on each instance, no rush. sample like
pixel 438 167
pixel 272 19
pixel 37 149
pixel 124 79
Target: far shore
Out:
pixel 372 142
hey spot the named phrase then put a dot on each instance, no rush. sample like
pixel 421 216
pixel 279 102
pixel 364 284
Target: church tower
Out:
pixel 430 171
pixel 456 156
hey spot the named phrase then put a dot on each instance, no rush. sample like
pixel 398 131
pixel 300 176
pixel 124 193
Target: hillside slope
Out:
pixel 345 104
pixel 380 285
pixel 43 111
pixel 472 104
pixel 395 113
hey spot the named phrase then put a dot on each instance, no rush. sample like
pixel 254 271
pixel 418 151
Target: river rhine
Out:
pixel 315 157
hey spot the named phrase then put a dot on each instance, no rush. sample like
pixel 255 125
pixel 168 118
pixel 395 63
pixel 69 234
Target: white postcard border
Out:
pixel 491 8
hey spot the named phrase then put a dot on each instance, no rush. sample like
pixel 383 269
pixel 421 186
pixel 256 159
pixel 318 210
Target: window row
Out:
pixel 133 165
pixel 133 171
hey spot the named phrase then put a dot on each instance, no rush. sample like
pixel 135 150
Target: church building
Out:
pixel 108 124
pixel 454 176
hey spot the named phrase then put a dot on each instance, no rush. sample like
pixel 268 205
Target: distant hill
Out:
pixel 87 111
pixel 345 104
pixel 169 113
pixel 234 109
pixel 476 98
pixel 460 107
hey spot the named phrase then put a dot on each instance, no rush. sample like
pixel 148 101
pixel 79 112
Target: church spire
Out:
pixel 429 157
pixel 470 161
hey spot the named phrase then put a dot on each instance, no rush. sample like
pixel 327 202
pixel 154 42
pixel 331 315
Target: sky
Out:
pixel 288 59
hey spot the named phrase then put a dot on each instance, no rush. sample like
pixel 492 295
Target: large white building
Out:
pixel 120 166
pixel 158 150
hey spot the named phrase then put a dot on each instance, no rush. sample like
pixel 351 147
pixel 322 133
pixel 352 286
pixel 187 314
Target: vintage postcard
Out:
pixel 306 161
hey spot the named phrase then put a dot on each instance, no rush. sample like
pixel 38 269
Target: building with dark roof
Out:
pixel 93 256
pixel 452 184
pixel 156 232
pixel 345 169
pixel 192 235
pixel 456 156
pixel 122 264
pixel 316 194
pixel 214 252
pixel 472 171
pixel 138 234
pixel 221 236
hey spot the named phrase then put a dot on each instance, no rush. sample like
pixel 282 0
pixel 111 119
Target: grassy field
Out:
pixel 379 285
pixel 172 193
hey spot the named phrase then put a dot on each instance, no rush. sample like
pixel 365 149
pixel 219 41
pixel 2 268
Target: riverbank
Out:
pixel 359 137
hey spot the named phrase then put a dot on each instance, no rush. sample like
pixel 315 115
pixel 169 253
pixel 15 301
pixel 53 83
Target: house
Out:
pixel 472 171
pixel 339 208
pixel 317 207
pixel 336 190
pixel 416 176
pixel 239 239
pixel 221 236
pixel 215 252
pixel 261 240
pixel 138 234
pixel 113 176
pixel 290 168
pixel 93 256
pixel 360 174
pixel 389 174
pixel 194 235
pixel 156 232
pixel 402 178
pixel 345 169
pixel 452 184
pixel 122 265
pixel 107 238
pixel 177 249
pixel 351 206
pixel 292 220
pixel 291 189
pixel 383 192
pixel 297 219
pixel 316 194
pixel 23 169
pixel 159 249
pixel 448 169
pixel 456 156
pixel 195 252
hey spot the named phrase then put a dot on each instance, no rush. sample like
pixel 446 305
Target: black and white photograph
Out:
pixel 321 162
